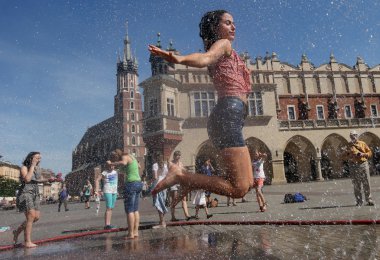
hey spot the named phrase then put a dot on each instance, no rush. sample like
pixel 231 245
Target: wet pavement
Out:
pixel 218 239
pixel 219 242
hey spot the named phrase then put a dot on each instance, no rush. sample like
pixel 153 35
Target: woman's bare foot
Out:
pixel 161 225
pixel 30 245
pixel 129 237
pixel 171 179
pixel 136 235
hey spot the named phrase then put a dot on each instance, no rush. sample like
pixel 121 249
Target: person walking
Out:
pixel 357 155
pixel 133 187
pixel 160 170
pixel 110 181
pixel 232 82
pixel 62 198
pixel 87 191
pixel 207 170
pixel 259 177
pixel 28 197
pixel 176 190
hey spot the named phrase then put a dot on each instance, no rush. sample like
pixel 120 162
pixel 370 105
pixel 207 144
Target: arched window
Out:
pixel 133 140
pixel 132 94
pixel 133 128
pixel 132 116
pixel 132 105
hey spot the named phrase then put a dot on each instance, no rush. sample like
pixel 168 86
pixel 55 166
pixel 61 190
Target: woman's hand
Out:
pixel 35 160
pixel 169 56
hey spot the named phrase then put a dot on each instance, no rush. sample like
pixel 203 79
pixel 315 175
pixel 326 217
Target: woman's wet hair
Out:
pixel 208 27
pixel 29 158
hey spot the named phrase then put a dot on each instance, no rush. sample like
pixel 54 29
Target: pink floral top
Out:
pixel 230 76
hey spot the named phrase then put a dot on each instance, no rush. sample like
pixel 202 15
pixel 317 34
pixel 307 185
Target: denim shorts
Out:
pixel 225 124
pixel 131 196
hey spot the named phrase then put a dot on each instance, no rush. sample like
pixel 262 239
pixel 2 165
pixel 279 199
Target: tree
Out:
pixel 8 187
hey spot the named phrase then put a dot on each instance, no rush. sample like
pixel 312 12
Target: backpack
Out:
pixel 299 197
pixel 214 203
pixel 62 194
pixel 288 198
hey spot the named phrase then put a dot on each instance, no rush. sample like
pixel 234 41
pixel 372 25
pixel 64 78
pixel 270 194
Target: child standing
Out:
pixel 110 181
pixel 259 177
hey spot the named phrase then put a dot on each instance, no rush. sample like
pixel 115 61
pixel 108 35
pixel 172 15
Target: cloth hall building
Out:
pixel 300 115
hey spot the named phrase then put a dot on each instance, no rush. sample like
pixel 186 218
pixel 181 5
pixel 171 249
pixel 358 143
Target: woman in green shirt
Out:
pixel 133 187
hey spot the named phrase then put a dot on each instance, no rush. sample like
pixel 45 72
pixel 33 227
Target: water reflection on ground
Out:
pixel 219 242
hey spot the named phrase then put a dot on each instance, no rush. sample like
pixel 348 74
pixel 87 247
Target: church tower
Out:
pixel 128 102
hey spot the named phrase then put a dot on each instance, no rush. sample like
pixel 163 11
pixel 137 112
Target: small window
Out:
pixel 347 111
pixel 291 113
pixel 132 116
pixel 320 112
pixel 373 110
pixel 204 103
pixel 170 106
pixel 132 105
pixel 133 140
pixel 132 94
pixel 133 128
pixel 255 104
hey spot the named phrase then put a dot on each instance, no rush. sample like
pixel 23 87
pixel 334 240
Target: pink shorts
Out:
pixel 258 182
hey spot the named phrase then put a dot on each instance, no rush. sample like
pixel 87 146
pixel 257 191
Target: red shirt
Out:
pixel 230 76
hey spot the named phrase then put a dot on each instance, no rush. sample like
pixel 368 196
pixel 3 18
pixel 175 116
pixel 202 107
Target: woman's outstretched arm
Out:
pixel 199 60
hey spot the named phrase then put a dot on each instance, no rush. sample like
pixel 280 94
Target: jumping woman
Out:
pixel 232 82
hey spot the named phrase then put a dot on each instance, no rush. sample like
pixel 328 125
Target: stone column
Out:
pixel 278 172
pixel 319 169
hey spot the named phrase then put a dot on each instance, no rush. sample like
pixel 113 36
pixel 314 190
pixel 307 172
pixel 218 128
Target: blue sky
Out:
pixel 58 58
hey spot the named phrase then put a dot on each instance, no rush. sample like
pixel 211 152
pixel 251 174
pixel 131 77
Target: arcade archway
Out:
pixel 299 156
pixel 207 150
pixel 332 165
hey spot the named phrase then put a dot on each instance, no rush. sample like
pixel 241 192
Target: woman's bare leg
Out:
pixel 173 197
pixel 31 217
pixel 238 169
pixel 137 224
pixel 184 207
pixel 131 225
pixel 17 232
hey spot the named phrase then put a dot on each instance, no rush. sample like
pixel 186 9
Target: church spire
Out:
pixel 127 45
